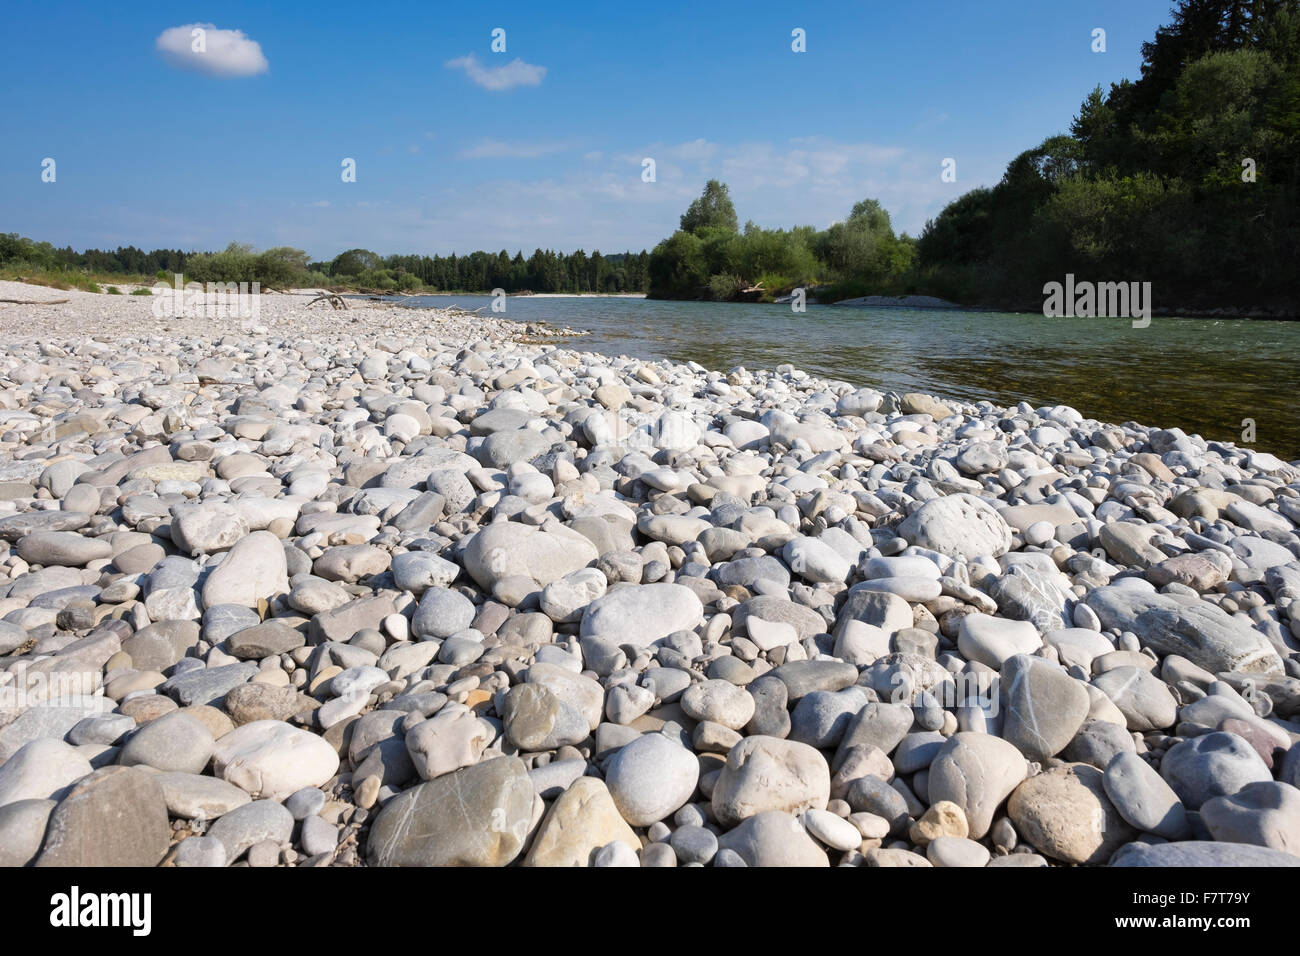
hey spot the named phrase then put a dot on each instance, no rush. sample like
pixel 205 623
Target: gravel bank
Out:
pixel 274 591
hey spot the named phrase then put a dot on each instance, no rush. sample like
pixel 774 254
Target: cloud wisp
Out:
pixel 497 78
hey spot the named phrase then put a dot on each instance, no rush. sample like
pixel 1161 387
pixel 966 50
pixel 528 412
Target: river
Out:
pixel 1202 375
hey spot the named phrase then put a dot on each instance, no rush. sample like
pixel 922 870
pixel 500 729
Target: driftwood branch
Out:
pixel 333 298
pixel 34 301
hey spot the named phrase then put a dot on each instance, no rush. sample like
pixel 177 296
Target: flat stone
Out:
pixel 1198 853
pixel 268 639
pixel 116 816
pixel 192 796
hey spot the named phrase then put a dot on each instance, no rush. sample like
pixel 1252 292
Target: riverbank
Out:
pixel 275 592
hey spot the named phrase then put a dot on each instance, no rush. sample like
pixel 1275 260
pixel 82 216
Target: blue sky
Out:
pixel 182 149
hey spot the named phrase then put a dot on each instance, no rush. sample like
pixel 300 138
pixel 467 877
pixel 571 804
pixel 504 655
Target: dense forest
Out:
pixel 283 267
pixel 1188 177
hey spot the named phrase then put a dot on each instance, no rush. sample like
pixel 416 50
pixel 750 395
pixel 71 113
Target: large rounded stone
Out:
pixel 1210 766
pixel 1142 797
pixel 254 569
pixel 442 613
pixel 509 549
pixel 1064 813
pixel 269 758
pixel 642 614
pixel 582 819
pixel 1044 706
pixel 1143 699
pixel 976 772
pixel 41 769
pixel 1264 813
pixel 767 773
pixel 65 548
pixel 650 778
pixel 536 719
pixel 173 742
pixel 961 526
pixel 478 816
pixel 773 838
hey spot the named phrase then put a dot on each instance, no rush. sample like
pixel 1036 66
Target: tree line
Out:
pixel 286 267
pixel 1188 177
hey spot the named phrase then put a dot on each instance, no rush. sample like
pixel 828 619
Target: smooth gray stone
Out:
pixel 1201 632
pixel 1097 743
pixel 306 802
pixel 22 828
pixel 917 751
pixel 693 844
pixel 222 620
pixel 771 718
pixel 209 685
pixel 821 718
pixel 252 823
pixel 415 829
pixel 1200 853
pixel 176 742
pixel 803 677
pixel 870 794
pixel 1143 799
pixel 1210 766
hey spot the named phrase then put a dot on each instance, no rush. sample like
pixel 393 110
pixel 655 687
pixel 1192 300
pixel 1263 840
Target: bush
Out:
pixel 723 287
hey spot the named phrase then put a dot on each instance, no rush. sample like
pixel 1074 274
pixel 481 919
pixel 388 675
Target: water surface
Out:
pixel 1201 375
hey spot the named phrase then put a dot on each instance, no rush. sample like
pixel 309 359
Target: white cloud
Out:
pixel 204 48
pixel 515 73
pixel 496 149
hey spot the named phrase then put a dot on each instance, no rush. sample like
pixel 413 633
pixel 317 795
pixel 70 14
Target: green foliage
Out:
pixel 713 210
pixel 284 267
pixel 141 292
pixel 678 268
pixel 714 261
pixel 723 287
pixel 1149 184
pixel 354 262
pixel 114 290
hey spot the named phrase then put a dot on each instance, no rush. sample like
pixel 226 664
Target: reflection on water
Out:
pixel 1203 376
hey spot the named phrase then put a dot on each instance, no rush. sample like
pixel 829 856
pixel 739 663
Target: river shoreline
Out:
pixel 276 589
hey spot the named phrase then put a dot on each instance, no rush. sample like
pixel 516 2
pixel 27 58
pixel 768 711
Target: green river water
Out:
pixel 1202 375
